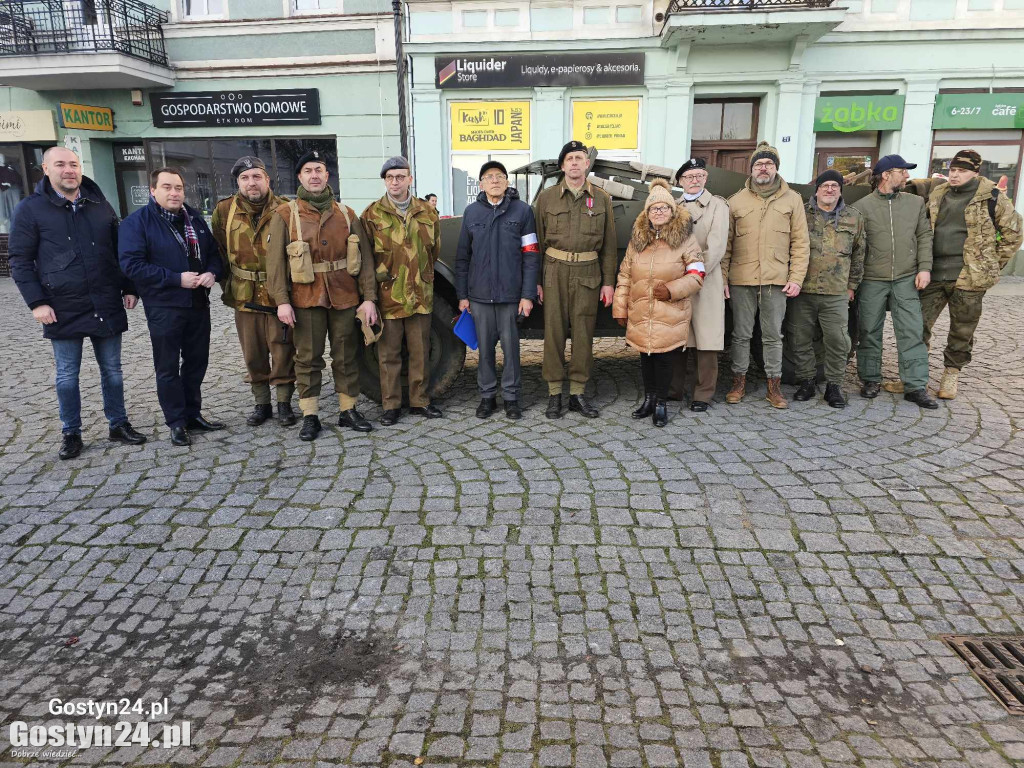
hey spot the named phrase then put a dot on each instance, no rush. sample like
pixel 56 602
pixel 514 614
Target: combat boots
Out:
pixel 774 394
pixel 738 390
pixel 949 384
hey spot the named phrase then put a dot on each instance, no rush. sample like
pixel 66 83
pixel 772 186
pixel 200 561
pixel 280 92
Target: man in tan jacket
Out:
pixel 764 264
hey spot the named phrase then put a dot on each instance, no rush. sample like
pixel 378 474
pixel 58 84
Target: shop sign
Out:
pixel 848 114
pixel 607 124
pixel 85 118
pixel 31 125
pixel 139 195
pixel 198 109
pixel 132 153
pixel 979 110
pixel 532 70
pixel 490 125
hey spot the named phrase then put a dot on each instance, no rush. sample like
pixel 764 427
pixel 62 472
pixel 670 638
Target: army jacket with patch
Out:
pixel 837 251
pixel 577 224
pixel 404 251
pixel 243 242
pixel 985 255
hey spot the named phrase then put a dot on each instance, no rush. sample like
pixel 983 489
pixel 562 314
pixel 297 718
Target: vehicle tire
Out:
pixel 447 357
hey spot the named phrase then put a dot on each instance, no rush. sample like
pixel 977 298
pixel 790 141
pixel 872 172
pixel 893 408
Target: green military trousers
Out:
pixel 313 325
pixel 900 297
pixel 808 313
pixel 964 315
pixel 571 293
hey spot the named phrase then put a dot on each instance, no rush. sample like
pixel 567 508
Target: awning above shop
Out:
pixel 733 22
pixel 83 71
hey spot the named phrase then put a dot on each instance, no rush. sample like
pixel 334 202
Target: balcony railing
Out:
pixel 681 6
pixel 76 26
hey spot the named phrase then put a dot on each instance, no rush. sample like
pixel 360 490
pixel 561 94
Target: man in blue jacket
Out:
pixel 63 257
pixel 496 269
pixel 169 252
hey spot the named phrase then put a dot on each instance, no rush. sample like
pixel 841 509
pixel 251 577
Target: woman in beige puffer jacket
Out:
pixel 662 269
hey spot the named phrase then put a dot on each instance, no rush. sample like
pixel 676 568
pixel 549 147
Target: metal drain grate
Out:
pixel 998 663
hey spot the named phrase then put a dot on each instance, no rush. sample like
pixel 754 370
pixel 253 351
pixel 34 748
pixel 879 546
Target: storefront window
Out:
pixel 1000 162
pixel 290 150
pixel 12 183
pixel 466 175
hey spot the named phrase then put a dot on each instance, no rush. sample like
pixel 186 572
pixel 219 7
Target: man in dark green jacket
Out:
pixel 897 265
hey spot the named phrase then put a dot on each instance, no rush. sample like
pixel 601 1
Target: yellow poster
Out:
pixel 607 124
pixel 490 125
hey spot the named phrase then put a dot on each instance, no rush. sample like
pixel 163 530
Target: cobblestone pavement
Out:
pixel 746 587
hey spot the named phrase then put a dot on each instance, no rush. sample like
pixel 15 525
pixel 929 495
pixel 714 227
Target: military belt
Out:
pixel 330 266
pixel 245 274
pixel 571 256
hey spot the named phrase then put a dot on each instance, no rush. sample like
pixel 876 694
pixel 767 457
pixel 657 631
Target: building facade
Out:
pixel 830 83
pixel 134 86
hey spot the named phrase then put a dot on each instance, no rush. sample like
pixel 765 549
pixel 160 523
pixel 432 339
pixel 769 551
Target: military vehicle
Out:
pixel 626 182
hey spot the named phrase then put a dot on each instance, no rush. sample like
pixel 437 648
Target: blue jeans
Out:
pixel 67 354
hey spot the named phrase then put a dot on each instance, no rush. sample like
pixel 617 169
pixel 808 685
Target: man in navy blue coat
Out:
pixel 169 252
pixel 63 257
pixel 497 264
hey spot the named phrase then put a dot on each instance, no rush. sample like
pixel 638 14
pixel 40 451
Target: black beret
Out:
pixel 491 165
pixel 313 156
pixel 246 163
pixel 693 164
pixel 572 146
pixel 829 175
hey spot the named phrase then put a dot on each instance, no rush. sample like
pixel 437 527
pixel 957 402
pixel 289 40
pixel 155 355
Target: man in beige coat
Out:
pixel 765 263
pixel 706 338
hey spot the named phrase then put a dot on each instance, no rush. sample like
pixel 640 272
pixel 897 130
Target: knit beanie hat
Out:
pixel 660 192
pixel 765 151
pixel 829 175
pixel 966 159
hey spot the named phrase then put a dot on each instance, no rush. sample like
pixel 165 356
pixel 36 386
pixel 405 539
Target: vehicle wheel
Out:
pixel 447 357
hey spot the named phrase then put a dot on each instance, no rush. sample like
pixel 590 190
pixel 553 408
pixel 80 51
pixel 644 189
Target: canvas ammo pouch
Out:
pixel 353 258
pixel 300 259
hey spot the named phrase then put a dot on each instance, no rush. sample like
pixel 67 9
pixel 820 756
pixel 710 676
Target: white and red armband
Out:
pixel 696 268
pixel 529 244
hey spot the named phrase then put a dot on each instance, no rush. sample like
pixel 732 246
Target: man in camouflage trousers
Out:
pixel 576 229
pixel 405 234
pixel 976 232
pixel 834 272
pixel 240 225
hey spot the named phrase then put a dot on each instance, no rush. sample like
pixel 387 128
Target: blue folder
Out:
pixel 465 329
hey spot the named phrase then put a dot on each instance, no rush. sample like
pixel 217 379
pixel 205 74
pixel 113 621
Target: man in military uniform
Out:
pixel 240 224
pixel 406 236
pixel 834 272
pixel 976 232
pixel 322 304
pixel 576 229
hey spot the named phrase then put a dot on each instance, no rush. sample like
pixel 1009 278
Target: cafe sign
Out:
pixel 979 110
pixel 200 109
pixel 848 114
pixel 82 117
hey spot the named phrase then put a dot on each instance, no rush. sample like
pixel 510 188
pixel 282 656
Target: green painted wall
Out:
pixel 281 45
pixel 254 9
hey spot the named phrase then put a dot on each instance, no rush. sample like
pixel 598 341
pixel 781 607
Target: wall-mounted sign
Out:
pixel 140 195
pixel 31 125
pixel 979 110
pixel 74 143
pixel 530 70
pixel 490 125
pixel 82 117
pixel 134 154
pixel 607 124
pixel 197 109
pixel 848 114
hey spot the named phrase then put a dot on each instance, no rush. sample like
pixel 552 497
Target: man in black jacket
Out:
pixel 170 253
pixel 63 257
pixel 497 264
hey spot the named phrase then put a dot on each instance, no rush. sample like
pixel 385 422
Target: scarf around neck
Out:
pixel 321 201
pixel 768 190
pixel 191 241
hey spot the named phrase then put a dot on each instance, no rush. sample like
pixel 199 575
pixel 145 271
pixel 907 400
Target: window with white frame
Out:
pixel 202 9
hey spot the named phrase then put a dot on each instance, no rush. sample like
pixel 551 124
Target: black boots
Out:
pixel 512 410
pixel 646 407
pixel 870 389
pixel 660 418
pixel 834 396
pixel 580 405
pixel 488 406
pixel 806 391
pixel 260 413
pixel 554 410
pixel 353 419
pixel 310 428
pixel 922 398
pixel 285 414
pixel 70 446
pixel 390 416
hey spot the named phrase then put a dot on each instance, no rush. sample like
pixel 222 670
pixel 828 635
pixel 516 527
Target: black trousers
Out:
pixel 181 352
pixel 656 370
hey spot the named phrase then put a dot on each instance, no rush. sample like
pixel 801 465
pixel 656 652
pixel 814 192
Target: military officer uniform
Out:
pixel 241 228
pixel 325 307
pixel 836 267
pixel 406 244
pixel 576 230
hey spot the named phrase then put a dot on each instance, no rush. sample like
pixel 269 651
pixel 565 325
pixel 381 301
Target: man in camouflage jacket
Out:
pixel 241 225
pixel 834 272
pixel 406 238
pixel 976 232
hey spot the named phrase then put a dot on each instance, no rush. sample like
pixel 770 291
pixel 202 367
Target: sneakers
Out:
pixel 738 389
pixel 950 383
pixel 774 394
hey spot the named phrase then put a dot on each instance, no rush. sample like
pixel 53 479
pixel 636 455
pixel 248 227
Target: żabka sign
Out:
pixel 849 114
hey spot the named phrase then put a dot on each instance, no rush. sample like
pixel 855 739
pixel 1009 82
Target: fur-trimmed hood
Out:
pixel 675 233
